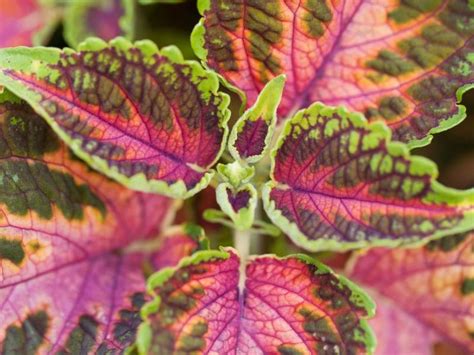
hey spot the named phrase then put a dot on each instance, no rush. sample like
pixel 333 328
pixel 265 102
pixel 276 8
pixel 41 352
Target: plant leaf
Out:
pixel 251 135
pixel 26 22
pixel 105 19
pixel 178 242
pixel 62 283
pixel 291 305
pixel 402 63
pixel 429 288
pixel 339 183
pixel 238 203
pixel 148 119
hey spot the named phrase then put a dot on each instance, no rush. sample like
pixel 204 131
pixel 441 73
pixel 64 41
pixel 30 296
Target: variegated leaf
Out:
pixel 339 183
pixel 405 62
pixel 64 286
pixel 293 305
pixel 425 294
pixel 144 117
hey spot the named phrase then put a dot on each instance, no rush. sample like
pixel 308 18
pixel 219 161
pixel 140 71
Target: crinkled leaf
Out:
pixel 338 183
pixel 178 242
pixel 426 293
pixel 26 22
pixel 105 19
pixel 144 117
pixel 402 62
pixel 238 203
pixel 292 305
pixel 252 133
pixel 235 173
pixel 62 283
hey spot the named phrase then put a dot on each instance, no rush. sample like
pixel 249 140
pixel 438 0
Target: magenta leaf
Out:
pixel 292 305
pixel 425 294
pixel 405 62
pixel 105 19
pixel 26 22
pixel 178 242
pixel 239 203
pixel 339 183
pixel 251 135
pixel 64 285
pixel 147 118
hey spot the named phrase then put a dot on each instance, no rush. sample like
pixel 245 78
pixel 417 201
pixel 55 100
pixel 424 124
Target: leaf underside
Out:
pixel 402 63
pixel 338 183
pixel 146 118
pixel 292 305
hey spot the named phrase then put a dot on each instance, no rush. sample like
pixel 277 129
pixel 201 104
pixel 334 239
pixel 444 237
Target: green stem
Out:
pixel 242 244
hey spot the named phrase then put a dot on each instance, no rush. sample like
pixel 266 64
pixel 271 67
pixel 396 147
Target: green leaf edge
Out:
pixel 244 218
pixel 421 164
pixel 74 13
pixel 197 44
pixel 137 182
pixel 192 230
pixel 444 124
pixel 198 41
pixel 144 332
pixel 269 98
pixel 358 296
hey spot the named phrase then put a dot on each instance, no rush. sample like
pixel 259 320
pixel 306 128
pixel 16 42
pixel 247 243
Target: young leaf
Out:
pixel 292 305
pixel 252 133
pixel 63 286
pixel 26 22
pixel 406 63
pixel 238 203
pixel 177 243
pixel 147 118
pixel 429 289
pixel 339 183
pixel 105 19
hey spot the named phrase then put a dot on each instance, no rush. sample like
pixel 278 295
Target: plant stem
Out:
pixel 242 244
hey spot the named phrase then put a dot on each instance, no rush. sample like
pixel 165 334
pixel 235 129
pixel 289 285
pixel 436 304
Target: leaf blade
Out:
pixel 126 135
pixel 407 65
pixel 339 183
pixel 208 317
pixel 60 230
pixel 436 274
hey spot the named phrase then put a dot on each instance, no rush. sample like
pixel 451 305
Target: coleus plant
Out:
pixel 99 145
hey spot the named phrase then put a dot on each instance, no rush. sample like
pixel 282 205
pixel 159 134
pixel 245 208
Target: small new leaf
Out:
pixel 252 134
pixel 238 203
